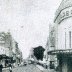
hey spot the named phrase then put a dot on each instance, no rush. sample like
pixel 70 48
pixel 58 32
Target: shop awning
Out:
pixel 66 51
pixel 3 56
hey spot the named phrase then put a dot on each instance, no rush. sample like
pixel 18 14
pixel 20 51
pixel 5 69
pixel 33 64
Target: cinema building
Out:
pixel 63 37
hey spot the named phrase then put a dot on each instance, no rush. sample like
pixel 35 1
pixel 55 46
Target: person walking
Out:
pixel 1 66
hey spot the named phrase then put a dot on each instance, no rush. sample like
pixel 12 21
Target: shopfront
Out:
pixel 64 60
pixel 5 60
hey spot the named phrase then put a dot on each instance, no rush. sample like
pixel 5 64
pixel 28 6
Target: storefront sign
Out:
pixel 66 13
pixel 52 37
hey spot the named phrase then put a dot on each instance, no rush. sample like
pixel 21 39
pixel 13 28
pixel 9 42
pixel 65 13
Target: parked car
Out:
pixel 25 63
pixel 29 62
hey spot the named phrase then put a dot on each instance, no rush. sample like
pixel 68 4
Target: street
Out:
pixel 28 68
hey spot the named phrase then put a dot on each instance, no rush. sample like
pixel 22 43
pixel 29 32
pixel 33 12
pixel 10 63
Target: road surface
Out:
pixel 28 68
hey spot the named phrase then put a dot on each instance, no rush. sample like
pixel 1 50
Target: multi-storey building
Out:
pixel 4 50
pixel 18 55
pixel 50 46
pixel 9 51
pixel 63 37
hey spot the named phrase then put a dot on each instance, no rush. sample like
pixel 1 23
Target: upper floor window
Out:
pixel 70 39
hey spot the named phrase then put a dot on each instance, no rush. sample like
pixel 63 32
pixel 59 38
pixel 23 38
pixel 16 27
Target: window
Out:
pixel 70 39
pixel 65 40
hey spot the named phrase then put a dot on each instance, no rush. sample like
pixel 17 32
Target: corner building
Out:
pixel 63 37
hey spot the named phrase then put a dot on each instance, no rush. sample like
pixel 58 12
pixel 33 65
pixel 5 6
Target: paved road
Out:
pixel 5 70
pixel 28 68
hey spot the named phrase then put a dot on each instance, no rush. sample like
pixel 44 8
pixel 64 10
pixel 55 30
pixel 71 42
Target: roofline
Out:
pixel 60 12
pixel 64 19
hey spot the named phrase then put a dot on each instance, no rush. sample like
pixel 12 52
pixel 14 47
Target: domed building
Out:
pixel 63 36
pixel 63 20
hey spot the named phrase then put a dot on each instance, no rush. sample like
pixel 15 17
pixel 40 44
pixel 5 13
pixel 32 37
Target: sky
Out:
pixel 28 21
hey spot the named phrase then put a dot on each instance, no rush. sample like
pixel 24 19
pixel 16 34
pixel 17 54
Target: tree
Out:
pixel 39 52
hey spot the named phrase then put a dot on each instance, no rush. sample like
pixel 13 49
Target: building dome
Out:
pixel 64 4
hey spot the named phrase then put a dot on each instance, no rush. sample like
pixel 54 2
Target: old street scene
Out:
pixel 35 36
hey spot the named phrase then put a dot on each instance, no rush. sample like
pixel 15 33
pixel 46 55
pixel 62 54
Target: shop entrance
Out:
pixel 69 62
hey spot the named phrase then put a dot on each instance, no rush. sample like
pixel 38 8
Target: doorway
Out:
pixel 69 62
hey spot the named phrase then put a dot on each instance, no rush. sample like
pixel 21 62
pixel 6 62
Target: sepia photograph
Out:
pixel 35 36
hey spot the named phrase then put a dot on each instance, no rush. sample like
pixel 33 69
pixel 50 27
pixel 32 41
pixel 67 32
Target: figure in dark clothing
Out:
pixel 52 65
pixel 1 66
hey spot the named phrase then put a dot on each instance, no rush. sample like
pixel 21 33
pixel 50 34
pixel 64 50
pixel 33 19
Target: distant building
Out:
pixel 31 55
pixel 50 46
pixel 16 53
pixel 5 50
pixel 9 50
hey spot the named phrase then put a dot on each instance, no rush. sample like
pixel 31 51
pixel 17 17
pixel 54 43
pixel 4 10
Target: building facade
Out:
pixel 63 37
pixel 9 50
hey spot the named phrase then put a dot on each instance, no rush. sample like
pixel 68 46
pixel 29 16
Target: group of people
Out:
pixel 10 67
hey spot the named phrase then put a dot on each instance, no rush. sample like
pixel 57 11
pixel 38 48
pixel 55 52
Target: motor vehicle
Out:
pixel 25 63
pixel 29 62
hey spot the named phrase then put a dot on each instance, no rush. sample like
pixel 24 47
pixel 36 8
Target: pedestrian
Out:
pixel 1 66
pixel 10 67
pixel 18 64
pixel 57 69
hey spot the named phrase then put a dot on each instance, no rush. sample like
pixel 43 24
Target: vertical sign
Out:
pixel 52 37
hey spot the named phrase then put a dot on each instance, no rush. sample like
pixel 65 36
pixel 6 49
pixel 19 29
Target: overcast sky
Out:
pixel 28 21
